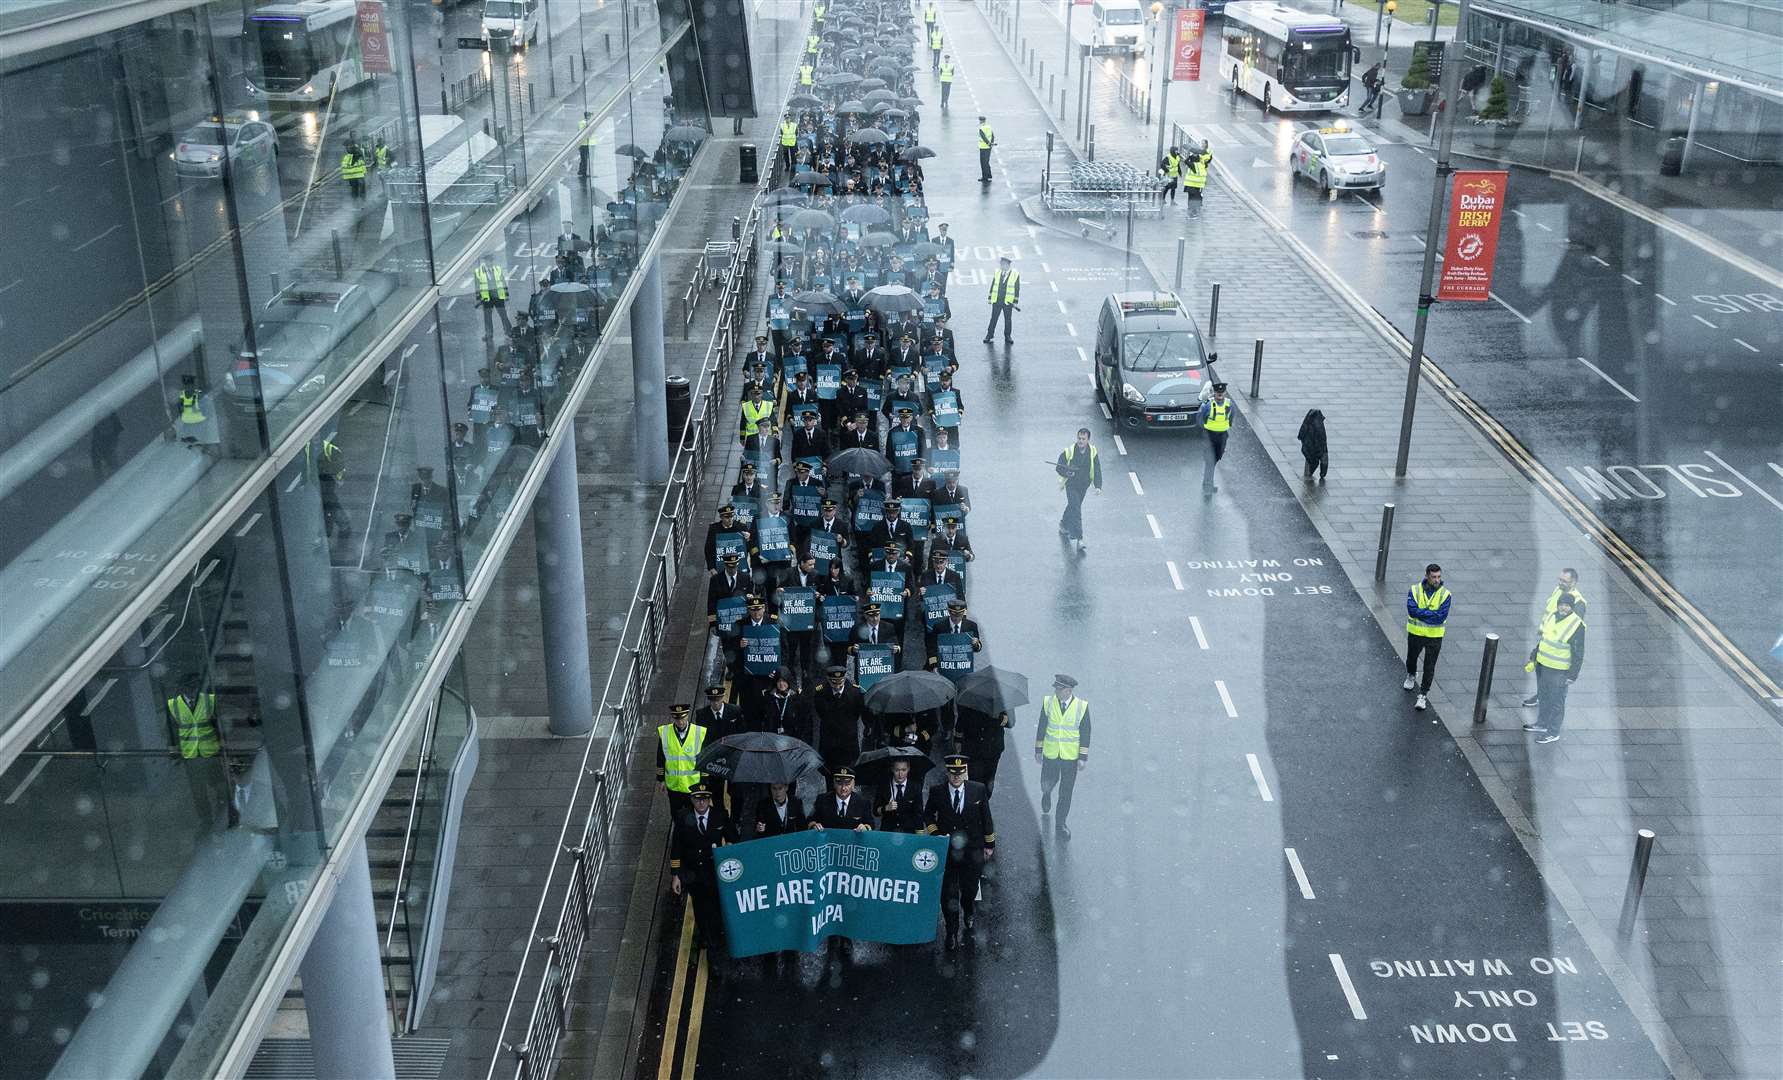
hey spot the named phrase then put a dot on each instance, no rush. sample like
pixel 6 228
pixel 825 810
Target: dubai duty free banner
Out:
pixel 794 891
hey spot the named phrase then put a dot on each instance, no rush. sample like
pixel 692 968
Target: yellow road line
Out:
pixel 665 1066
pixel 691 1056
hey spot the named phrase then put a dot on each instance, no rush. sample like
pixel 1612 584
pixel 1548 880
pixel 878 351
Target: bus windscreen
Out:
pixel 1317 58
pixel 284 51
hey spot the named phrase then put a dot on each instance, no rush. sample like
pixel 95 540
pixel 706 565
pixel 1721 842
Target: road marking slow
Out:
pixel 1175 578
pixel 1257 775
pixel 1299 874
pixel 1606 378
pixel 1226 699
pixel 1349 988
pixel 1195 625
pixel 1760 492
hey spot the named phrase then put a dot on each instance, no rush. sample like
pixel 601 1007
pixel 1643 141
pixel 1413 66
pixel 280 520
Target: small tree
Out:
pixel 1417 76
pixel 1497 105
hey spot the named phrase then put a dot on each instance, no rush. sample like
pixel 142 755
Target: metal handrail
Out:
pixel 534 1046
pixel 399 902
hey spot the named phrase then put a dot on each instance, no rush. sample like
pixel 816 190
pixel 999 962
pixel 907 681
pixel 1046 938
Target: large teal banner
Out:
pixel 793 891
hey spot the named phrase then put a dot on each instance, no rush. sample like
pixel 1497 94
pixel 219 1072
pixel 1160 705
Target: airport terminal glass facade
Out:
pixel 257 434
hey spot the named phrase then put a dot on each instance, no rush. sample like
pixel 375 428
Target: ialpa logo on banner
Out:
pixel 792 892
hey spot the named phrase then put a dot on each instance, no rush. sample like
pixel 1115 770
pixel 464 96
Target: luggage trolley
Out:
pixel 1100 194
pixel 720 254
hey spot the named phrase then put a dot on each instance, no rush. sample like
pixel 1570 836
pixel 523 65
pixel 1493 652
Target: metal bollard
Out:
pixel 1092 143
pixel 1042 79
pixel 1257 370
pixel 1637 880
pixel 1386 541
pixel 340 264
pixel 1182 247
pixel 1488 662
pixel 1051 85
pixel 1213 313
pixel 532 99
pixel 736 229
pixel 608 39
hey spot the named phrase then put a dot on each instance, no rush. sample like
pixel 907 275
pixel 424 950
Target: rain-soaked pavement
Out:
pixel 1277 868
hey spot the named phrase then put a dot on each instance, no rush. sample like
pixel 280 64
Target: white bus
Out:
pixel 1287 59
pixel 303 52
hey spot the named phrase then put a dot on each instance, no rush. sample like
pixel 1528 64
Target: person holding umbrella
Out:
pixel 960 809
pixel 697 833
pixel 1061 746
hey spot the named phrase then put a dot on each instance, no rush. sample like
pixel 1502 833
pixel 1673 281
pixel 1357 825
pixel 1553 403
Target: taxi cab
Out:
pixel 1151 361
pixel 200 149
pixel 1337 158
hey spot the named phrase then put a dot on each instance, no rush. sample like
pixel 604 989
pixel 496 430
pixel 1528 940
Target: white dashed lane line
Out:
pixel 1200 637
pixel 1599 262
pixel 1349 988
pixel 1705 322
pixel 1061 303
pixel 1666 298
pixel 1606 378
pixel 1632 280
pixel 1748 346
pixel 1175 578
pixel 1299 874
pixel 1069 329
pixel 1120 446
pixel 1132 476
pixel 1157 532
pixel 1257 775
pixel 1226 699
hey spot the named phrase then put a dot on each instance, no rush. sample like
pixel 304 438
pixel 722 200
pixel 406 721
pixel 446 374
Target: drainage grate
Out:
pixel 289 1059
pixel 1369 234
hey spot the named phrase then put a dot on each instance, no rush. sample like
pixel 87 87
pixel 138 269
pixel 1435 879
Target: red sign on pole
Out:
pixel 374 37
pixel 1476 203
pixel 1189 24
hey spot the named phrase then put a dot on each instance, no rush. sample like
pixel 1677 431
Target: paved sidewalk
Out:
pixel 1658 735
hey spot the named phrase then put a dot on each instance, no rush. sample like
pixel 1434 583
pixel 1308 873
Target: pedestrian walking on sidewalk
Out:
pixel 935 48
pixel 1062 747
pixel 946 80
pixel 1426 619
pixel 1216 420
pixel 1312 444
pixel 986 139
pixel 1567 585
pixel 1194 180
pixel 1556 659
pixel 1005 300
pixel 1372 81
pixel 1171 166
pixel 1079 470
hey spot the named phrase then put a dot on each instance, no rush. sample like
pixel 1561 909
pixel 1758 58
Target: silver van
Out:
pixel 1151 361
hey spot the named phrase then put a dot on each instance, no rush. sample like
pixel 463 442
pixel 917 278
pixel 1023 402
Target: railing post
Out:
pixel 1092 142
pixel 1257 370
pixel 1386 540
pixel 1637 880
pixel 1182 246
pixel 1488 664
pixel 1213 313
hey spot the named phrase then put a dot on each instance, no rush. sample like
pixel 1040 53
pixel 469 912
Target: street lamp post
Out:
pixel 1070 7
pixel 1451 71
pixel 1392 6
pixel 1380 13
pixel 1435 17
pixel 1165 58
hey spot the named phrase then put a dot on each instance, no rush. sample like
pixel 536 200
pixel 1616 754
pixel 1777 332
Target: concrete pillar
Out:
pixel 650 410
pixel 563 598
pixel 343 984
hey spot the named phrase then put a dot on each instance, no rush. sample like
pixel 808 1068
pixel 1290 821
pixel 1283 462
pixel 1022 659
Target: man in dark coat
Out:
pixel 719 718
pixel 1312 444
pixel 779 813
pixel 979 736
pixel 960 810
pixel 899 806
pixel 698 832
pixel 842 715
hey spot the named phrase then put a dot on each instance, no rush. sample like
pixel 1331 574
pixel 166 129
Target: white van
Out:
pixel 1119 24
pixel 518 19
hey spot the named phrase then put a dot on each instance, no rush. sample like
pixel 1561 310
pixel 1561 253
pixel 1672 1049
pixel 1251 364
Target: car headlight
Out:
pixel 1132 394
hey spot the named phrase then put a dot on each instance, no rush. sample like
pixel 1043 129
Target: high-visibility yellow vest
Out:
pixel 928 14
pixel 382 155
pixel 1555 650
pixel 811 43
pixel 754 412
pixel 1071 456
pixel 1006 288
pixel 805 71
pixel 818 11
pixel 947 71
pixel 194 723
pixel 678 756
pixel 490 277
pixel 1062 726
pixel 589 136
pixel 1197 174
pixel 935 39
pixel 1554 600
pixel 1219 416
pixel 1172 165
pixel 985 136
pixel 352 166
pixel 789 133
pixel 190 413
pixel 1428 601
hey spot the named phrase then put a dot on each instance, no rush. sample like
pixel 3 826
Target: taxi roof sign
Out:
pixel 1157 302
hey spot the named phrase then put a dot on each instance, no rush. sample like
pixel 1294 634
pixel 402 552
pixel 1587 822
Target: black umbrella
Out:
pixel 869 85
pixel 910 691
pixel 891 112
pixel 784 247
pixel 634 150
pixel 853 108
pixel 866 214
pixel 877 239
pixel 925 249
pixel 839 78
pixel 812 219
pixel 811 178
pixel 858 461
pixel 915 153
pixel 811 299
pixel 874 766
pixel 880 97
pixel 992 690
pixel 785 197
pixel 624 236
pixel 804 101
pixel 684 133
pixel 893 300
pixel 868 135
pixel 910 104
pixel 759 757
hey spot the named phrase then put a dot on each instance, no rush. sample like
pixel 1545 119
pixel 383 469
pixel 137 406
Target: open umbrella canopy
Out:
pixel 811 178
pixel 926 249
pixel 874 766
pixel 839 78
pixel 877 240
pixel 817 299
pixel 880 97
pixel 866 214
pixel 893 299
pixel 915 153
pixel 869 85
pixel 854 108
pixel 910 103
pixel 910 691
pixel 785 247
pixel 812 219
pixel 868 135
pixel 992 690
pixel 891 112
pixel 684 133
pixel 633 150
pixel 785 197
pixel 804 101
pixel 759 757
pixel 857 461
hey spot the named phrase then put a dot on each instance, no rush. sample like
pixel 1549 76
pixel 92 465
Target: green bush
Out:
pixel 1417 77
pixel 1497 105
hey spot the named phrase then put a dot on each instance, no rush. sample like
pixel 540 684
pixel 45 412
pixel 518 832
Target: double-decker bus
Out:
pixel 303 52
pixel 1287 59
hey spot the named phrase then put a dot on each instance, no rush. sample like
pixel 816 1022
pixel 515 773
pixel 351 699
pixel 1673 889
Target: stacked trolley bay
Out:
pixel 1098 194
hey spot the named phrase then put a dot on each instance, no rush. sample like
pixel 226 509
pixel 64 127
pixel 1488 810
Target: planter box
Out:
pixel 1415 102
